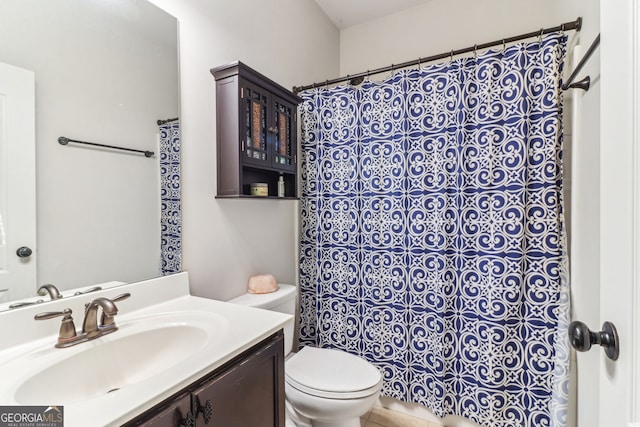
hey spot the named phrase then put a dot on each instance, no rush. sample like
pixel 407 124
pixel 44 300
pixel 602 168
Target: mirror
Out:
pixel 105 72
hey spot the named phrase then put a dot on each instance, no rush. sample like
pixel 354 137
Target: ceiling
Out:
pixel 346 13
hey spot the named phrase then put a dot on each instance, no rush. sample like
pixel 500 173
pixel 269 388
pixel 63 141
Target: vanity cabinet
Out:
pixel 257 132
pixel 247 391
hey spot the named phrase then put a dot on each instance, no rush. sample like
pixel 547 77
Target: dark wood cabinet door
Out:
pixel 174 414
pixel 255 126
pixel 285 134
pixel 248 393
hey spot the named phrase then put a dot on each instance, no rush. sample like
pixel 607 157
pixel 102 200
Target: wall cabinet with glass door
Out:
pixel 257 134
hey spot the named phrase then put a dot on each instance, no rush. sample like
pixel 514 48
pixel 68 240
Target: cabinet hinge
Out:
pixel 241 93
pixel 242 146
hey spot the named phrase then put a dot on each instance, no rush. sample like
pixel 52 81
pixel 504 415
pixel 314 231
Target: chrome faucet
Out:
pixel 51 290
pixel 90 327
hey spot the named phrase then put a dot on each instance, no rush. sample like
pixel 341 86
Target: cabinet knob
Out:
pixel 206 411
pixel 188 421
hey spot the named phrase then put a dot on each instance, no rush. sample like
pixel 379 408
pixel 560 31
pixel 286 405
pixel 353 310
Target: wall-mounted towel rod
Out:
pixel 356 79
pixel 586 82
pixel 63 140
pixel 161 122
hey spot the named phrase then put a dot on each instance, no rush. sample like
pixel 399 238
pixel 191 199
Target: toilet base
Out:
pixel 295 419
pixel 325 412
pixel 351 422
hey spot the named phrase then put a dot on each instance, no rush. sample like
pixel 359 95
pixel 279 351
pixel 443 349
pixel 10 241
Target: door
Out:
pixel 17 183
pixel 619 382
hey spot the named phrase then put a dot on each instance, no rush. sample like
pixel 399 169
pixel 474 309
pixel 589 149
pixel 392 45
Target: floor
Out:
pixel 382 417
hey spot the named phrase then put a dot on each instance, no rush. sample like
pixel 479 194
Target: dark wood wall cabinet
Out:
pixel 257 133
pixel 247 391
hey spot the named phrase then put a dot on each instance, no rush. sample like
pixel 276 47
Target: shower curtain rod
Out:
pixel 356 79
pixel 161 122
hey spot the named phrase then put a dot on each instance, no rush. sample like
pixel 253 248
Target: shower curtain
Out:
pixel 432 240
pixel 170 214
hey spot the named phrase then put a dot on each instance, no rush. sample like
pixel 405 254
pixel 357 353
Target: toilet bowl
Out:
pixel 329 387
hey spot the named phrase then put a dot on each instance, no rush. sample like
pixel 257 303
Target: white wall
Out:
pixel 97 71
pixel 293 43
pixel 439 26
pixel 442 25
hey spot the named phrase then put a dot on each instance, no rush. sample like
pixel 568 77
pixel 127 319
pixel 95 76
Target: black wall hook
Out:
pixel 583 84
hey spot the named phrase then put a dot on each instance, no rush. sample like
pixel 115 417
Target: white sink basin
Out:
pixel 111 365
pixel 139 350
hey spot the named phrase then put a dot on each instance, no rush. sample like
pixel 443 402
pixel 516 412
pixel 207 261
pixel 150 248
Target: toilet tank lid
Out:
pixel 266 301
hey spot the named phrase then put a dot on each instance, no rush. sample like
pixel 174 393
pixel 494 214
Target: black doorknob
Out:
pixel 24 252
pixel 582 338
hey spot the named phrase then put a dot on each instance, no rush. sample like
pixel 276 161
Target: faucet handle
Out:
pixel 25 303
pixel 86 291
pixel 67 328
pixel 52 314
pixel 107 319
pixel 121 297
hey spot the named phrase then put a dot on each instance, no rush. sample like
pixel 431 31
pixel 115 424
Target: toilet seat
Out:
pixel 330 373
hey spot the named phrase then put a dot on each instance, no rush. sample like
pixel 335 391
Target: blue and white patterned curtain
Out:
pixel 170 215
pixel 432 240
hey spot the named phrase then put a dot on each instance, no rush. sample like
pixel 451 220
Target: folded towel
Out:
pixel 262 284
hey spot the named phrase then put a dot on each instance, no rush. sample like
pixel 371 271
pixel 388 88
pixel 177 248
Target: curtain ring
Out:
pixel 540 36
pixel 504 45
pixel 393 71
pixel 475 51
pixel 451 57
pixel 419 63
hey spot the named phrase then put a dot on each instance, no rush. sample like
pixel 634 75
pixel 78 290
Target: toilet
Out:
pixel 328 387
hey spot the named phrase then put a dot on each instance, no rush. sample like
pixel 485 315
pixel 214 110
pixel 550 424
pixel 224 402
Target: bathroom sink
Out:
pixel 140 350
pixel 166 340
pixel 109 366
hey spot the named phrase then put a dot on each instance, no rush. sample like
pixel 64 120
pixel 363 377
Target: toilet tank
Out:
pixel 283 301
